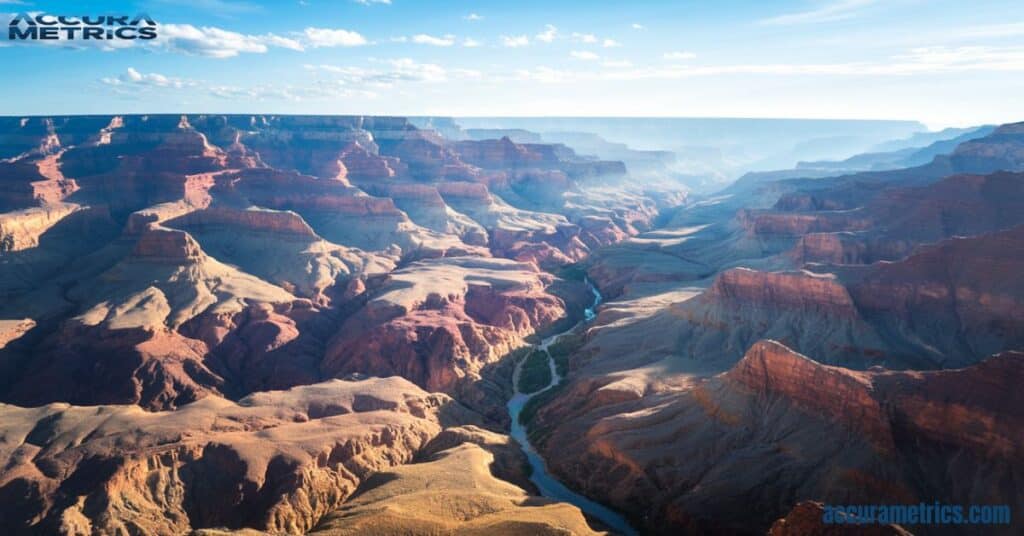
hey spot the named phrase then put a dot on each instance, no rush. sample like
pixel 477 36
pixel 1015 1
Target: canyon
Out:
pixel 283 324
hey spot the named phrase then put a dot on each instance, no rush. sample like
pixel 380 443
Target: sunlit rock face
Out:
pixel 805 339
pixel 220 322
pixel 234 321
pixel 171 257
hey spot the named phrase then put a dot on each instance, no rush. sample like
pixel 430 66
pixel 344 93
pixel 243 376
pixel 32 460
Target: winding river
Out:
pixel 547 484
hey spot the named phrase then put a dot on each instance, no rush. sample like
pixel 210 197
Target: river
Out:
pixel 547 484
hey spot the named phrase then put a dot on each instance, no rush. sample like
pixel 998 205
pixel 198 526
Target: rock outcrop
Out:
pixel 736 451
pixel 453 492
pixel 275 461
pixel 440 322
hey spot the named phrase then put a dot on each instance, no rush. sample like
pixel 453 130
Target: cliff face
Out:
pixel 891 303
pixel 838 394
pixel 731 452
pixel 417 499
pixel 898 220
pixel 274 461
pixel 164 272
pixel 440 322
pixel 161 259
pixel 966 286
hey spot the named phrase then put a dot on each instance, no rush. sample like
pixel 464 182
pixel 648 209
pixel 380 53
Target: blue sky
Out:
pixel 941 62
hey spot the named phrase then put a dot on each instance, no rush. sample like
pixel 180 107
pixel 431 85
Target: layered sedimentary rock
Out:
pixel 900 219
pixel 425 206
pixel 210 254
pixel 125 343
pixel 440 322
pixel 340 213
pixel 275 461
pixel 675 411
pixel 175 263
pixel 452 491
pixel 954 302
pixel 735 451
pixel 280 247
pixel 812 312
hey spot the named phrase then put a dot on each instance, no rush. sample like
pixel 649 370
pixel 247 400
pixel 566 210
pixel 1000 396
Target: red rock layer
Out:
pixel 275 461
pixel 443 338
pixel 718 455
pixel 786 290
pixel 838 394
pixel 904 218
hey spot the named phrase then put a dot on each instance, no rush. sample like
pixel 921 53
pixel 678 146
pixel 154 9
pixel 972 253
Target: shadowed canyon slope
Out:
pixel 896 301
pixel 311 324
pixel 195 266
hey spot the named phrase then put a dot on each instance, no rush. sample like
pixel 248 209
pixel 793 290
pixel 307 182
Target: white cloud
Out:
pixel 328 37
pixel 918 61
pixel 319 90
pixel 544 74
pixel 469 42
pixel 584 37
pixel 515 41
pixel 368 2
pixel 218 43
pixel 1011 29
pixel 211 41
pixel 617 64
pixel 831 11
pixel 443 41
pixel 679 55
pixel 473 17
pixel 584 55
pixel 637 26
pixel 610 43
pixel 394 72
pixel 968 58
pixel 549 34
pixel 283 42
pixel 470 74
pixel 134 80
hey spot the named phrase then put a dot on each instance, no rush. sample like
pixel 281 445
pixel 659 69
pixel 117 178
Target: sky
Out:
pixel 945 63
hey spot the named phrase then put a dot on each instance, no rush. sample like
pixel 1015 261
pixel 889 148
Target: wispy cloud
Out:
pixel 1010 29
pixel 370 2
pixel 637 26
pixel 132 77
pixel 437 41
pixel 617 64
pixel 216 42
pixel 584 37
pixel 677 55
pixel 584 55
pixel 832 10
pixel 610 43
pixel 391 72
pixel 472 17
pixel 217 7
pixel 469 42
pixel 549 34
pixel 918 61
pixel 332 37
pixel 515 41
pixel 321 89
